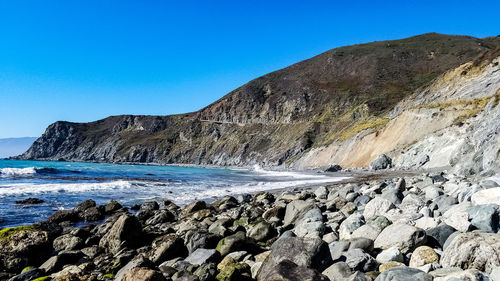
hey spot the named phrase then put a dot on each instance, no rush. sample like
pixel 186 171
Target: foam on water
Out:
pixel 38 189
pixel 17 171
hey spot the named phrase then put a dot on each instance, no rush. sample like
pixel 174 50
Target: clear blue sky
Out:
pixel 85 60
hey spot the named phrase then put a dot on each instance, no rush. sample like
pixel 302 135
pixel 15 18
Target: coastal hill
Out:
pixel 346 106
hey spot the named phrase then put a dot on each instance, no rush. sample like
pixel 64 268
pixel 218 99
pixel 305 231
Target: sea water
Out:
pixel 62 185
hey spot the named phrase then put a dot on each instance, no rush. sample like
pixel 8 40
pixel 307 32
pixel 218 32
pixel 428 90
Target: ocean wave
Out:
pixel 20 172
pixel 81 187
pixel 287 174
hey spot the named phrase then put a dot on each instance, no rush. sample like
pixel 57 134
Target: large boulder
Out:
pixel 167 247
pixel 484 217
pixel 486 196
pixel 377 207
pixel 235 242
pixel 310 224
pixel 202 256
pixel 304 252
pixel 125 232
pixel 473 250
pixel 404 237
pixel 143 274
pixel 381 162
pixel 295 210
pixel 23 246
pixel 404 274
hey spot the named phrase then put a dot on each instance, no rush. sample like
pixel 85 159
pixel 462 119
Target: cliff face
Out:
pixel 285 117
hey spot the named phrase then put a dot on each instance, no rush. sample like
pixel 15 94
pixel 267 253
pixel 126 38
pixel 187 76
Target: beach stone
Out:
pixel 495 274
pixel 357 259
pixel 235 242
pixel 404 274
pixel 126 231
pixel 64 216
pixel 394 195
pixel 308 252
pixel 139 261
pixel 381 162
pixel 87 204
pixel 464 275
pixel 466 194
pixel 274 214
pixel 67 242
pixel 321 192
pixel 143 274
pixel 112 206
pixel 92 214
pixel 473 250
pixel 310 224
pixel 191 208
pixel 56 263
pixel 167 247
pixel 412 203
pixel 361 243
pixel 423 255
pixel 432 192
pixel 27 275
pixel 404 237
pixel 295 210
pixel 484 217
pixel 377 207
pixel 206 272
pixel 391 254
pixel 349 225
pixel 333 168
pixel 338 271
pixel 234 272
pixel 458 217
pixel 198 239
pixel 287 270
pixel 201 256
pixel 390 264
pixel 338 248
pixel 486 196
pixel 369 231
pixel 426 223
pixel 438 235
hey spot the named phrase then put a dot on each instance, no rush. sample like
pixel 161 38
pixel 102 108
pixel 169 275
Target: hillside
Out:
pixel 309 114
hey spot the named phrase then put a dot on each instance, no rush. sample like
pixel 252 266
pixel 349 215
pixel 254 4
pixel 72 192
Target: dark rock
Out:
pixel 287 270
pixel 381 162
pixel 112 207
pixel 437 235
pixel 201 240
pixel 306 252
pixel 85 205
pixel 56 263
pixel 193 207
pixel 29 201
pixel 357 259
pixel 167 247
pixel 67 242
pixel 484 217
pixel 64 216
pixel 362 200
pixel 159 217
pixel 92 214
pixel 261 231
pixel 140 261
pixel 143 274
pixel 125 232
pixel 28 275
pixel 206 272
pixel 333 168
pixel 232 243
pixel 151 205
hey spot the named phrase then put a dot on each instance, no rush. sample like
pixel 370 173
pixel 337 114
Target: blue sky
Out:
pixel 85 60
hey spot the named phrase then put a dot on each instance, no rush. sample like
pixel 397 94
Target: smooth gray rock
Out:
pixel 404 274
pixel 321 192
pixel 67 242
pixel 310 224
pixel 357 259
pixel 295 210
pixel 350 224
pixel 201 256
pixel 261 231
pixel 126 231
pixel 404 237
pixel 484 217
pixel 391 254
pixel 381 162
pixel 394 195
pixel 438 235
pixel 287 270
pixel 377 207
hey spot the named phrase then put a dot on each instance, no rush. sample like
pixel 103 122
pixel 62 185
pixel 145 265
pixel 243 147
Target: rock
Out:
pixel 310 224
pixel 274 214
pixel 404 237
pixel 412 204
pixel 390 264
pixel 333 168
pixel 23 246
pixel 235 272
pixel 30 201
pixel 295 210
pixel 143 274
pixel 67 242
pixel 206 272
pixel 92 214
pixel 381 162
pixel 126 231
pixel 307 252
pixel 423 255
pixel 484 217
pixel 235 242
pixel 391 254
pixel 444 202
pixel 27 275
pixel 202 256
pixel 423 160
pixel 140 261
pixel 437 236
pixel 432 192
pixel 426 223
pixel 357 259
pixel 486 196
pixel 151 205
pixel 64 216
pixel 403 274
pixel 473 250
pixel 457 217
pixel 495 274
pixel 167 247
pixel 338 271
pixel 261 231
pixel 287 270
pixel 201 240
pixel 369 231
pixel 85 205
pixel 193 207
pixel 377 207
pixel 321 192
pixel 112 207
pixel 159 217
pixel 56 263
pixel 349 225
pixel 394 195
pixel 466 275
pixel 466 194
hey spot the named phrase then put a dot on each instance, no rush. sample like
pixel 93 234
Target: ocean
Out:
pixel 62 185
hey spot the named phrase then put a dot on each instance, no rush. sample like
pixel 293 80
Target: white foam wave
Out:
pixel 287 174
pixel 29 188
pixel 17 171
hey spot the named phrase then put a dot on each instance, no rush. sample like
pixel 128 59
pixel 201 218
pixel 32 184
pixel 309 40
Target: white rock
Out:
pixel 457 217
pixel 486 196
pixel 427 222
pixel 391 254
pixel 377 207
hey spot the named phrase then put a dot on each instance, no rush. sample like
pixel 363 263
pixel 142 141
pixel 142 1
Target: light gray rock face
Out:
pixel 412 204
pixel 381 162
pixel 310 224
pixel 465 275
pixel 321 192
pixel 486 196
pixel 404 274
pixel 357 259
pixel 67 242
pixel 438 235
pixel 289 271
pixel 350 224
pixel 308 252
pixel 295 210
pixel 404 237
pixel 377 207
pixel 473 250
pixel 391 254
pixel 125 231
pixel 201 256
pixel 457 217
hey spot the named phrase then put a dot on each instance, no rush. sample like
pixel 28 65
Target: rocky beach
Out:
pixel 433 226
